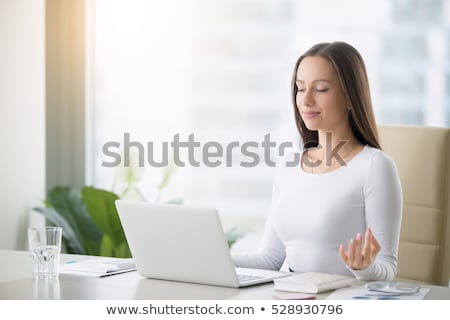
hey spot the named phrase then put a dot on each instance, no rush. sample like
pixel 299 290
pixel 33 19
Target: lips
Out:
pixel 310 114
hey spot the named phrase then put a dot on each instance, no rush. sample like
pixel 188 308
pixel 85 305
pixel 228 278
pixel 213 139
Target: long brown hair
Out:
pixel 351 71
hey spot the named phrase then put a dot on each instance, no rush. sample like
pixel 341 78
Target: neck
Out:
pixel 331 139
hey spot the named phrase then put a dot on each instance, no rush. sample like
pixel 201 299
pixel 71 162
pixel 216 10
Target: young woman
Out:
pixel 339 210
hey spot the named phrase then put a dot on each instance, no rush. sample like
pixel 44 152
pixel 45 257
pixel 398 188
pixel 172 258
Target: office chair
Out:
pixel 422 156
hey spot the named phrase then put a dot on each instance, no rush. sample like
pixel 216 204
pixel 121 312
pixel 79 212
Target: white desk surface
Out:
pixel 16 283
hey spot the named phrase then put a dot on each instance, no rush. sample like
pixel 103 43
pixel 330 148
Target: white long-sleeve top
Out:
pixel 312 214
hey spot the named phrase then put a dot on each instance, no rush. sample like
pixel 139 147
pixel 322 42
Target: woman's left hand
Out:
pixel 358 257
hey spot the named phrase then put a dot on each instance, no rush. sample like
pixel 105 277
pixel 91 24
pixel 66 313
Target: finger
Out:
pixel 342 254
pixel 375 247
pixel 351 251
pixel 357 255
pixel 367 246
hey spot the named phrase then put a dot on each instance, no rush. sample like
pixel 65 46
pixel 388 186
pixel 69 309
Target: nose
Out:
pixel 306 98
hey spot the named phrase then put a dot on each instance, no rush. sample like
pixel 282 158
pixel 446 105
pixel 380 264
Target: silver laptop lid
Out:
pixel 177 242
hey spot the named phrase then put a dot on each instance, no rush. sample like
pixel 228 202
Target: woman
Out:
pixel 339 210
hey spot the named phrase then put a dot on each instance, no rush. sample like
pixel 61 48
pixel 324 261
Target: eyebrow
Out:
pixel 325 80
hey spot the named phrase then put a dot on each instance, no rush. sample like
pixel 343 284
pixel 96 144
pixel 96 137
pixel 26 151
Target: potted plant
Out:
pixel 89 218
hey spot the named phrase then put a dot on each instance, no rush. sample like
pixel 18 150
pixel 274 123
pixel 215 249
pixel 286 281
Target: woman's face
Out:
pixel 320 98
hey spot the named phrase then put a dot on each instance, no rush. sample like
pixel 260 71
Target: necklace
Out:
pixel 332 165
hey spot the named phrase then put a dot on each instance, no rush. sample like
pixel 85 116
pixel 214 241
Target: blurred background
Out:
pixel 84 72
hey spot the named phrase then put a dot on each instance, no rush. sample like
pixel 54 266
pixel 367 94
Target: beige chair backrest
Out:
pixel 422 156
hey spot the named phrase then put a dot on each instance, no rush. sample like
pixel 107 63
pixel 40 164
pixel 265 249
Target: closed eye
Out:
pixel 317 90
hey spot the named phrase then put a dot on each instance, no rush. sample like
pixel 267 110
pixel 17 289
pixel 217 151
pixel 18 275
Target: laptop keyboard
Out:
pixel 245 277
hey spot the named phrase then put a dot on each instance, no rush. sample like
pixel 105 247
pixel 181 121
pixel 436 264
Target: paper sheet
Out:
pixel 362 293
pixel 97 268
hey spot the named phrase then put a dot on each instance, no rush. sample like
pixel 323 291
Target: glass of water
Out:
pixel 45 250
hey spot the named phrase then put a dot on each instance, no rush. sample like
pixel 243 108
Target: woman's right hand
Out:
pixel 360 257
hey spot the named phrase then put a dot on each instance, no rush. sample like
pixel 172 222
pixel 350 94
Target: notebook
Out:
pixel 97 267
pixel 183 243
pixel 312 282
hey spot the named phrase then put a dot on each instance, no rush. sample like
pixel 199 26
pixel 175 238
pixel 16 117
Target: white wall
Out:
pixel 22 116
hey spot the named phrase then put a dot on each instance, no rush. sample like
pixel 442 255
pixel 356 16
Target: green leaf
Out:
pixel 106 248
pixel 175 201
pixel 70 239
pixel 233 235
pixel 68 203
pixel 101 206
pixel 123 251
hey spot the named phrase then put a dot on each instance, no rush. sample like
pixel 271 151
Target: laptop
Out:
pixel 183 243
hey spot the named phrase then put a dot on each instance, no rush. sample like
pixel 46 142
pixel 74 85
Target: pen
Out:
pixel 375 298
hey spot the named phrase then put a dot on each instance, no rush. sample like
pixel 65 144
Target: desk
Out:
pixel 16 283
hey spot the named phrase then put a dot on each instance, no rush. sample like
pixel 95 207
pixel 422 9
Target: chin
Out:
pixel 311 125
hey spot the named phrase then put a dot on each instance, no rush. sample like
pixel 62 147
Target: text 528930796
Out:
pixel 307 309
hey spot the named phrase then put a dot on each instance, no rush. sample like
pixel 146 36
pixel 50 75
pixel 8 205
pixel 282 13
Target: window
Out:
pixel 418 11
pixel 221 71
